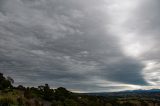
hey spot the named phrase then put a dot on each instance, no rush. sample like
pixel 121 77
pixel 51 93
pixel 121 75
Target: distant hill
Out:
pixel 152 93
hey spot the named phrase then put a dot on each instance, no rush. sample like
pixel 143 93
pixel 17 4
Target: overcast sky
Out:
pixel 83 45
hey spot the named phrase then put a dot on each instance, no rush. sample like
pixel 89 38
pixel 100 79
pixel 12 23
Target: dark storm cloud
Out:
pixel 124 70
pixel 63 43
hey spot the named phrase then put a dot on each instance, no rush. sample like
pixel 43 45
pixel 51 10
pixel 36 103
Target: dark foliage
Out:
pixel 4 83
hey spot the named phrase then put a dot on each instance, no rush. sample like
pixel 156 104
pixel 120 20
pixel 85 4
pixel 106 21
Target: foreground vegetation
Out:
pixel 45 96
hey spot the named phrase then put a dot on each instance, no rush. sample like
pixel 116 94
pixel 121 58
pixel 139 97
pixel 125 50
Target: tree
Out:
pixel 4 83
pixel 10 79
pixel 46 92
pixel 1 77
pixel 61 94
pixel 20 87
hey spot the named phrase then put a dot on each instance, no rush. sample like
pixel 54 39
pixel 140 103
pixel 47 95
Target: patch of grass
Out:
pixel 10 97
pixel 5 101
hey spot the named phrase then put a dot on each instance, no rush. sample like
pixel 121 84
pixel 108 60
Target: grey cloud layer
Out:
pixel 63 43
